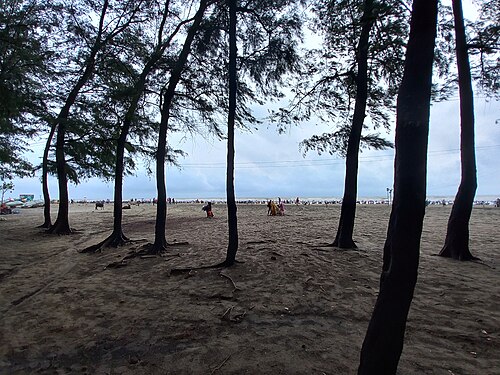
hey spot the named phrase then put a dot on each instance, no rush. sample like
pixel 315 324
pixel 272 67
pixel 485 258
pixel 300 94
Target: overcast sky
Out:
pixel 271 165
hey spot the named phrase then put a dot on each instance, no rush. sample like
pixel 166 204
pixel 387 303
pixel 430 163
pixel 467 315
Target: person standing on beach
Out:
pixel 274 208
pixel 281 207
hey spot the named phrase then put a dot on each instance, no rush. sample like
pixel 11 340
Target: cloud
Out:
pixel 271 165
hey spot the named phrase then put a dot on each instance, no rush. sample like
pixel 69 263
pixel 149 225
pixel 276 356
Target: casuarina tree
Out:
pixel 170 24
pixel 350 84
pixel 456 244
pixel 232 247
pixel 160 241
pixel 127 13
pixel 343 239
pixel 384 338
pixel 24 69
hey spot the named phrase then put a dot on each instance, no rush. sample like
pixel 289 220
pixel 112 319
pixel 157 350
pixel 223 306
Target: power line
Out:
pixel 316 162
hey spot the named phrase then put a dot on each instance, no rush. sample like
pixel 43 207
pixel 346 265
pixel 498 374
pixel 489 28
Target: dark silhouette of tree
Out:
pixel 268 33
pixel 484 48
pixel 24 58
pixel 343 239
pixel 160 241
pixel 103 36
pixel 232 247
pixel 456 245
pixel 352 85
pixel 134 94
pixel 383 342
pixel 265 62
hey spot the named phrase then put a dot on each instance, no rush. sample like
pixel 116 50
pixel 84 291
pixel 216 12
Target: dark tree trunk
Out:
pixel 47 223
pixel 61 226
pixel 344 239
pixel 117 237
pixel 160 242
pixel 232 247
pixel 456 244
pixel 384 338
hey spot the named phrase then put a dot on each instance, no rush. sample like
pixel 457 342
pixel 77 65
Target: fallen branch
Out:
pixel 222 364
pixel 119 264
pixel 230 279
pixel 227 313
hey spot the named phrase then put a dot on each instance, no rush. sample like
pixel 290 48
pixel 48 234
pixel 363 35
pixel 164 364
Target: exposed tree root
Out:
pixel 179 271
pixel 114 240
pixel 45 225
pixel 146 251
pixel 458 253
pixel 60 229
pixel 343 245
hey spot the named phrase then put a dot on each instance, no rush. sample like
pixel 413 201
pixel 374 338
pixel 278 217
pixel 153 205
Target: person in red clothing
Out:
pixel 208 209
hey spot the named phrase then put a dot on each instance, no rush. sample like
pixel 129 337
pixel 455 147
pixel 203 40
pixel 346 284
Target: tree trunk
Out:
pixel 61 226
pixel 160 242
pixel 456 244
pixel 47 223
pixel 232 247
pixel 384 338
pixel 344 239
pixel 117 237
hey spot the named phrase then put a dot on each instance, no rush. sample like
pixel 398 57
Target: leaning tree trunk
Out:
pixel 232 220
pixel 384 338
pixel 344 239
pixel 47 223
pixel 456 244
pixel 160 242
pixel 61 226
pixel 117 237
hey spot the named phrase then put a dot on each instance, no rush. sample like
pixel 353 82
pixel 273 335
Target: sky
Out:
pixel 271 165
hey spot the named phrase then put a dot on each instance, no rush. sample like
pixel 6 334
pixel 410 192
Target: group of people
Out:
pixel 274 209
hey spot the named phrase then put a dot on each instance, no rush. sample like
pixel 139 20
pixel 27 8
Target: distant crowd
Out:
pixel 278 207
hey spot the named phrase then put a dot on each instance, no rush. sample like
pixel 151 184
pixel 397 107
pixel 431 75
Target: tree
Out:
pixel 160 242
pixel 106 31
pixel 456 245
pixel 383 342
pixel 232 219
pixel 351 83
pixel 6 186
pixel 133 95
pixel 343 239
pixel 23 69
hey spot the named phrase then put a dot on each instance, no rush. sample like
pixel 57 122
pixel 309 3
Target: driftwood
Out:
pixel 222 364
pixel 230 279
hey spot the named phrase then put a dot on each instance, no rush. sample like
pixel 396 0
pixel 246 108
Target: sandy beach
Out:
pixel 292 306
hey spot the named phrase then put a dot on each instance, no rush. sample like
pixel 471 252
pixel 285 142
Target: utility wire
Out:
pixel 317 162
